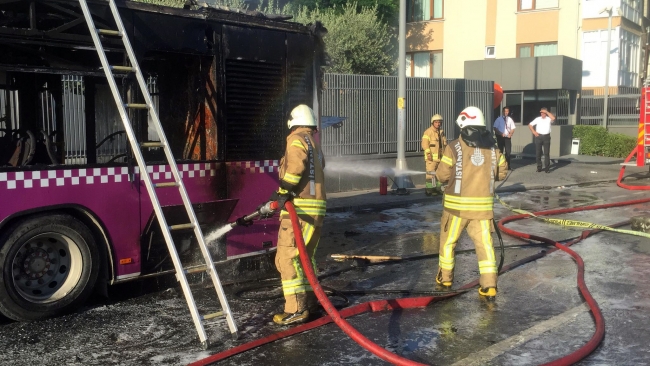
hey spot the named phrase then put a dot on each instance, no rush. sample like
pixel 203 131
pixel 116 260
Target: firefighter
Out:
pixel 433 144
pixel 302 182
pixel 470 164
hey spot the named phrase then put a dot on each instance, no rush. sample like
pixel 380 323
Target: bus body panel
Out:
pixel 252 182
pixel 106 192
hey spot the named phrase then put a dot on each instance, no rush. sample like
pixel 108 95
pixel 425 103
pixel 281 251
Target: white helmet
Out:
pixel 470 116
pixel 302 115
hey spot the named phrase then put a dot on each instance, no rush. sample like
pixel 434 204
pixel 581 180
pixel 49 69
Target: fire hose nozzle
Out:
pixel 264 210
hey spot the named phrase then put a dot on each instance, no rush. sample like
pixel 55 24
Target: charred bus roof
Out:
pixel 52 35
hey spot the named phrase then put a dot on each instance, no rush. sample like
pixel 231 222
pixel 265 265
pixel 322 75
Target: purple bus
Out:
pixel 74 214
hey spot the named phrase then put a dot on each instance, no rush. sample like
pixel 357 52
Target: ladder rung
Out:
pixel 136 106
pixel 166 184
pixel 122 68
pixel 152 144
pixel 109 32
pixel 181 227
pixel 196 269
pixel 213 315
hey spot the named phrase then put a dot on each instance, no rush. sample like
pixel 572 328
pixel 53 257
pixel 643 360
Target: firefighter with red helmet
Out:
pixel 302 181
pixel 433 144
pixel 470 165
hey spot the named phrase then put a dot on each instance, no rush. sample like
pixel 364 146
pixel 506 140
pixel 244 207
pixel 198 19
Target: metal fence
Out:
pixel 9 116
pixel 369 104
pixel 622 109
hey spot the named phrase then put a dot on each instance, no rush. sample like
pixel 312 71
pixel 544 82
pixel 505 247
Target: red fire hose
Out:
pixel 620 183
pixel 598 335
pixel 404 303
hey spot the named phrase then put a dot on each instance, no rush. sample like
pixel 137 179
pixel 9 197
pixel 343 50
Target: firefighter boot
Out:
pixel 438 188
pixel 428 190
pixel 312 304
pixel 442 285
pixel 489 293
pixel 290 318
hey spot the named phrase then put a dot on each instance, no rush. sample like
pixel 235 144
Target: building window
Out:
pixel 424 64
pixel 536 49
pixel 537 4
pixel 594 57
pixel 419 10
pixel 629 59
pixel 490 51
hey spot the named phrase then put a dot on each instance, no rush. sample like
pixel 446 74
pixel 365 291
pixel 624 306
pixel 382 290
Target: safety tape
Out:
pixel 572 223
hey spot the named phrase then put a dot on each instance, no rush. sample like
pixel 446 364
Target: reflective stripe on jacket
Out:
pixel 470 173
pixel 433 142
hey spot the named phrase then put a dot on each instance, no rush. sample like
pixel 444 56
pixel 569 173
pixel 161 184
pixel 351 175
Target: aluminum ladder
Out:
pixel 144 174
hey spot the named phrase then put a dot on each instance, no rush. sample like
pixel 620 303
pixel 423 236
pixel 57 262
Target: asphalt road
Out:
pixel 538 315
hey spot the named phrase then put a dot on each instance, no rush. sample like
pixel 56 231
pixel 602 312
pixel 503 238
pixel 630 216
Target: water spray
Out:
pixel 247 220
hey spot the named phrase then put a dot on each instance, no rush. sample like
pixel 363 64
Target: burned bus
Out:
pixel 74 214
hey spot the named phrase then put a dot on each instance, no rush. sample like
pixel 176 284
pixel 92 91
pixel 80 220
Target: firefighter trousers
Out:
pixel 298 294
pixel 480 232
pixel 431 181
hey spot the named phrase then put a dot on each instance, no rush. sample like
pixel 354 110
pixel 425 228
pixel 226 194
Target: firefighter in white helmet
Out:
pixel 302 182
pixel 433 144
pixel 470 164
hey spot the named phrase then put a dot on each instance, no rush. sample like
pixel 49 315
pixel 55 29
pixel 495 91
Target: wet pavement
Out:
pixel 538 315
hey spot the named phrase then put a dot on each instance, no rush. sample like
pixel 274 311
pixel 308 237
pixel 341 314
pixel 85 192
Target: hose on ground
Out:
pixel 384 305
pixel 620 183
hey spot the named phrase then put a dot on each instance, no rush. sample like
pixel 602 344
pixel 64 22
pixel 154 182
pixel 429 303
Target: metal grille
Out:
pixel 369 104
pixel 9 116
pixel 298 86
pixel 563 103
pixel 255 124
pixel 74 119
pixel 48 108
pixel 622 110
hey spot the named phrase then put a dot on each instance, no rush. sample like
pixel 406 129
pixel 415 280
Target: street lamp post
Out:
pixel 400 179
pixel 608 10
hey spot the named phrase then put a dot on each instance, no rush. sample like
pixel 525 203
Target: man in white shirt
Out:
pixel 542 132
pixel 504 128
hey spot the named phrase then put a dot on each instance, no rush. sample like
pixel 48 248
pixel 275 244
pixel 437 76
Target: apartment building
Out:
pixel 443 34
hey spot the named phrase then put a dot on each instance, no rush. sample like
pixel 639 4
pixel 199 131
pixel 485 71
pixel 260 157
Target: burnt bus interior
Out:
pixel 223 84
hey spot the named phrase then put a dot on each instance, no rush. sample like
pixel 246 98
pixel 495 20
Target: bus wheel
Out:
pixel 48 266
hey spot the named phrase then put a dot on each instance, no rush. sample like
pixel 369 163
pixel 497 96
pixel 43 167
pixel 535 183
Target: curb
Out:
pixel 572 160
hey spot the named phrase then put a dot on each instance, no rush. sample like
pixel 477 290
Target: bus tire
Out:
pixel 48 266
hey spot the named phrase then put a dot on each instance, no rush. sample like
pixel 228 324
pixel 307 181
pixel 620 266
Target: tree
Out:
pixel 387 10
pixel 357 42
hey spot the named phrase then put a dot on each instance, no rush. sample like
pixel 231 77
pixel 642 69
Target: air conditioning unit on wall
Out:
pixel 490 51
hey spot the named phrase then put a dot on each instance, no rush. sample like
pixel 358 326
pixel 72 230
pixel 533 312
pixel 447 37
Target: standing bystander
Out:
pixel 504 128
pixel 542 132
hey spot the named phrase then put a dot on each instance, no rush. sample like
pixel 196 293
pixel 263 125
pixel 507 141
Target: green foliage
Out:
pixel 172 3
pixel 238 4
pixel 595 140
pixel 619 145
pixel 357 42
pixel 387 10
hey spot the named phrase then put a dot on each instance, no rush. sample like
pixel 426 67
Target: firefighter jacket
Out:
pixel 301 172
pixel 434 142
pixel 470 173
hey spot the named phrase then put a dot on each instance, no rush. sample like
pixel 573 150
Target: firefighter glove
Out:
pixel 282 196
